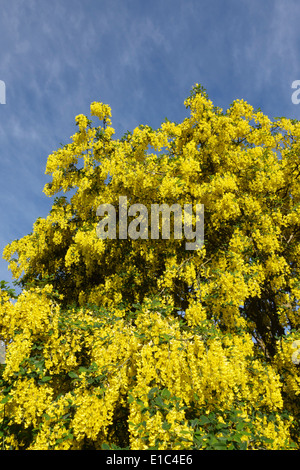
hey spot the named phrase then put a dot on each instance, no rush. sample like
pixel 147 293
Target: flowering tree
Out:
pixel 139 343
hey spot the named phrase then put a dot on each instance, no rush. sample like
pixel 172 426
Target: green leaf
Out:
pixel 240 426
pixel 166 393
pixel 166 426
pixel 130 398
pixel 152 392
pixel 46 378
pixel 159 402
pixel 203 420
pixel 73 375
pixel 5 399
pixel 220 446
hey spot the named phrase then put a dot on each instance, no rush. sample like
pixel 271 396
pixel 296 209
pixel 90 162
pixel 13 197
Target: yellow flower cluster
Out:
pixel 70 380
pixel 90 360
pixel 102 111
pixel 82 122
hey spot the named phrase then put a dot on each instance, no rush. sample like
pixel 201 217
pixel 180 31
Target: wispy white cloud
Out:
pixel 142 58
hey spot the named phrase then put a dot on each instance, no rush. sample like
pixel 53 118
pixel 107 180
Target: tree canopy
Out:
pixel 140 343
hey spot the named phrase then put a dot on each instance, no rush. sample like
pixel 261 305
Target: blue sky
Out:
pixel 142 58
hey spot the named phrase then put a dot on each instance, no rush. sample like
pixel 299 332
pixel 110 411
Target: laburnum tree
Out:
pixel 140 343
